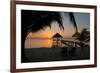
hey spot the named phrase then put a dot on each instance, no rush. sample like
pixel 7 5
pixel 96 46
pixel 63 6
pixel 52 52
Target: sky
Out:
pixel 82 21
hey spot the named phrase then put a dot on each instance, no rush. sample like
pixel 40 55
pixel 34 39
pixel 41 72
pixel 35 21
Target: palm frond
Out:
pixel 72 19
pixel 44 19
pixel 84 35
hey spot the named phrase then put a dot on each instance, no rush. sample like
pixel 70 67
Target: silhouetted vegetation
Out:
pixel 83 37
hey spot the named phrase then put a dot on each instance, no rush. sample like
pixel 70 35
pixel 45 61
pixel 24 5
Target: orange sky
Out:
pixel 48 33
pixel 40 34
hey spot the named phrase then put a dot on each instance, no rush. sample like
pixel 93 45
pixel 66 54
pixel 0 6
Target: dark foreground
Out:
pixel 55 54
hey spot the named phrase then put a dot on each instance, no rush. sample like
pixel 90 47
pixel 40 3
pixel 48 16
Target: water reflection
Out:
pixel 38 42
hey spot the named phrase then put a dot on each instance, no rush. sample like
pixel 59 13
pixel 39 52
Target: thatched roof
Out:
pixel 57 35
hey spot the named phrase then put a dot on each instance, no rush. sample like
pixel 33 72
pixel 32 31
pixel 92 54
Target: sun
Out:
pixel 48 34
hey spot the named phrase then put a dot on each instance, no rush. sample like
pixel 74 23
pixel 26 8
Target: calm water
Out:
pixel 39 42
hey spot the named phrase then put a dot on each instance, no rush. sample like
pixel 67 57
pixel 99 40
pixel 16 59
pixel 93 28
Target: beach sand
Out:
pixel 55 54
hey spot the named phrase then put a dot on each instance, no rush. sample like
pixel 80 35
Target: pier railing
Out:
pixel 73 43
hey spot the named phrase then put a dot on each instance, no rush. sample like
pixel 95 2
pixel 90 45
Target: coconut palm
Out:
pixel 83 37
pixel 33 21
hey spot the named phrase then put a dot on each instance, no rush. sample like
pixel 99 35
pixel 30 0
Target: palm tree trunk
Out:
pixel 81 45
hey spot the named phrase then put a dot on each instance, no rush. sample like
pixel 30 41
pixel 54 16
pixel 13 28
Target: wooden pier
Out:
pixel 72 43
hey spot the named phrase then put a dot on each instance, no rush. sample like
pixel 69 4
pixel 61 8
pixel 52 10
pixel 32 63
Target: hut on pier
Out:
pixel 57 40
